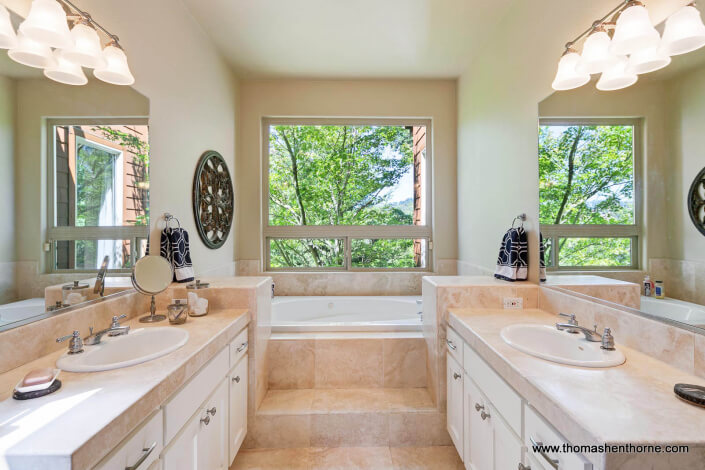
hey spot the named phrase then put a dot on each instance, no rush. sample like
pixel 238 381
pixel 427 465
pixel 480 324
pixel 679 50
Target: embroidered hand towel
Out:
pixel 512 262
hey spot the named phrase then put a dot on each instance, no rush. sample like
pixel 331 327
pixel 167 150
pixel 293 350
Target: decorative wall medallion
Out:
pixel 213 201
pixel 696 201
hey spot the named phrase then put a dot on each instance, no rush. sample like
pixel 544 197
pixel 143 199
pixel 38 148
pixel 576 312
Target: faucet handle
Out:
pixel 116 320
pixel 607 340
pixel 570 317
pixel 76 343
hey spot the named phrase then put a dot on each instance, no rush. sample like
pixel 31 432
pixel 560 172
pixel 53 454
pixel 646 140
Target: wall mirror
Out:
pixel 74 190
pixel 616 176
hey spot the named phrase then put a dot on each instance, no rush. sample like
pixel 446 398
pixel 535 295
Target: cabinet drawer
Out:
pixel 238 347
pixel 454 345
pixel 143 443
pixel 538 430
pixel 186 401
pixel 501 395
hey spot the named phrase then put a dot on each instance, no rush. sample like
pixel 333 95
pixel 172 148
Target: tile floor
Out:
pixel 350 458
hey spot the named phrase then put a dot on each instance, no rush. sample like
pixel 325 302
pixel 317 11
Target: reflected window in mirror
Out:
pixel 99 193
pixel 589 192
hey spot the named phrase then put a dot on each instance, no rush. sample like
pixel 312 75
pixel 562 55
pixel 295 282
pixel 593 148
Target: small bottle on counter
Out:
pixel 659 290
pixel 648 286
pixel 197 305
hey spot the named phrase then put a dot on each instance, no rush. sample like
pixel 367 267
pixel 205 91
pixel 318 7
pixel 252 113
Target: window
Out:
pixel 589 192
pixel 346 194
pixel 99 193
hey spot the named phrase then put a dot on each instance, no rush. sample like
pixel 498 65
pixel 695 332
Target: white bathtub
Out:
pixel 338 313
pixel 678 310
pixel 21 310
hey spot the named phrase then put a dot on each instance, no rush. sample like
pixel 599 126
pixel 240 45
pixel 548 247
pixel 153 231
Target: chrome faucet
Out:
pixel 571 321
pixel 605 338
pixel 76 343
pixel 99 287
pixel 115 329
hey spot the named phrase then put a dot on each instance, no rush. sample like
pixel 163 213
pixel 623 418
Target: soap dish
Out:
pixel 39 390
pixel 694 394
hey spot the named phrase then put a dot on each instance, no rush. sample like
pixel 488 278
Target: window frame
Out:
pixel 347 232
pixel 56 233
pixel 632 231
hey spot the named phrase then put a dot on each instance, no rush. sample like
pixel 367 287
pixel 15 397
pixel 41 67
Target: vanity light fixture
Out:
pixel 624 44
pixel 44 40
pixel 568 76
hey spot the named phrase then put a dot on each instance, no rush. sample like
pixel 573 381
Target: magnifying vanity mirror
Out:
pixel 151 276
pixel 74 191
pixel 622 191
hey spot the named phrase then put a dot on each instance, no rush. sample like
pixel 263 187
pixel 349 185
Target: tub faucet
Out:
pixel 272 289
pixel 99 287
pixel 419 312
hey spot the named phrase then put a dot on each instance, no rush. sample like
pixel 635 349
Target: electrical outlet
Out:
pixel 513 302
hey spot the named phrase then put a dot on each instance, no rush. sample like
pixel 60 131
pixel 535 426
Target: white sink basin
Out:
pixel 548 343
pixel 137 346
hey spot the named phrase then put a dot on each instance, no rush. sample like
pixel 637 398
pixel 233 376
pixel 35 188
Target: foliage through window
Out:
pixel 346 195
pixel 99 193
pixel 588 192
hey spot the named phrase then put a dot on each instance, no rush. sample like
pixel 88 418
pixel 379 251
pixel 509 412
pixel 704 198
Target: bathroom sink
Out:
pixel 550 344
pixel 136 347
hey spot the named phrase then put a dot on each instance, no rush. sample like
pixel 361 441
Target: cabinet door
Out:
pixel 238 407
pixel 212 442
pixel 507 446
pixel 454 407
pixel 478 439
pixel 181 452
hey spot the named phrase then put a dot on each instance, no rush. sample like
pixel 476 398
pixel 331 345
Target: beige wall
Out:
pixel 498 100
pixel 7 176
pixel 192 107
pixel 434 99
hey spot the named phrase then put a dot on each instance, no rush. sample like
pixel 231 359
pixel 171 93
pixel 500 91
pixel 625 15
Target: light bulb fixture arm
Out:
pixel 86 17
pixel 603 21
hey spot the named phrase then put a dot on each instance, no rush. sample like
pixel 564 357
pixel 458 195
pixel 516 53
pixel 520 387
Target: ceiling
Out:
pixel 348 39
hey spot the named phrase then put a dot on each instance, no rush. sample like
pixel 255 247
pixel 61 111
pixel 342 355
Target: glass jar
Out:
pixel 75 293
pixel 177 312
pixel 197 304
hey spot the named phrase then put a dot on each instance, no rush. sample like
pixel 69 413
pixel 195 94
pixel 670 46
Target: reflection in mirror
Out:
pixel 615 173
pixel 74 191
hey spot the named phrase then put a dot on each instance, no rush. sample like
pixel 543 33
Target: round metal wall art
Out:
pixel 213 200
pixel 696 201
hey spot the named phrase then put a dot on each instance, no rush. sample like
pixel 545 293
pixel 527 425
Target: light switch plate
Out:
pixel 513 302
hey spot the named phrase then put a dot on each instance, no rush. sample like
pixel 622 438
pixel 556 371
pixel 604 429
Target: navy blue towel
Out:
pixel 174 246
pixel 512 262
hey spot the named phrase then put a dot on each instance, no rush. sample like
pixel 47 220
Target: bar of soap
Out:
pixel 38 377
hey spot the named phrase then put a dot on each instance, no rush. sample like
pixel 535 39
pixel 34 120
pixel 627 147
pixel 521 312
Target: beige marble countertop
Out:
pixel 92 412
pixel 632 403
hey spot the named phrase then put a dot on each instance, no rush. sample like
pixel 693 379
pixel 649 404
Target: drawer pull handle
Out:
pixel 523 467
pixel 456 376
pixel 236 379
pixel 484 415
pixel 552 462
pixel 241 347
pixel 451 345
pixel 145 453
pixel 479 407
pixel 206 420
pixel 211 411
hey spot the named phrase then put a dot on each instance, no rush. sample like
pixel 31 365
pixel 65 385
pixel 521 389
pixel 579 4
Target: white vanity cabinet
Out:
pixel 140 449
pixel 237 380
pixel 497 423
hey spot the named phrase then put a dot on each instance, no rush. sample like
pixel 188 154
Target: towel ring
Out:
pixel 521 217
pixel 168 218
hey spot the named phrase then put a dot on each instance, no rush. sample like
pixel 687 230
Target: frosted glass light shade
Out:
pixel 684 31
pixel 596 56
pixel 617 77
pixel 8 38
pixel 47 23
pixel 31 53
pixel 634 31
pixel 115 70
pixel 65 71
pixel 567 77
pixel 648 60
pixel 86 50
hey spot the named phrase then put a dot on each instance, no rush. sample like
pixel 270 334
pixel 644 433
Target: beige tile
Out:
pixel 426 458
pixel 346 430
pixel 404 362
pixel 291 364
pixel 409 399
pixel 349 400
pixel 272 459
pixel 699 358
pixel 418 429
pixel 351 458
pixel 279 432
pixel 287 402
pixel 349 363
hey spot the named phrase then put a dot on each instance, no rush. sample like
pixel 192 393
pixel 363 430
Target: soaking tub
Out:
pixel 338 313
pixel 677 310
pixel 21 310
